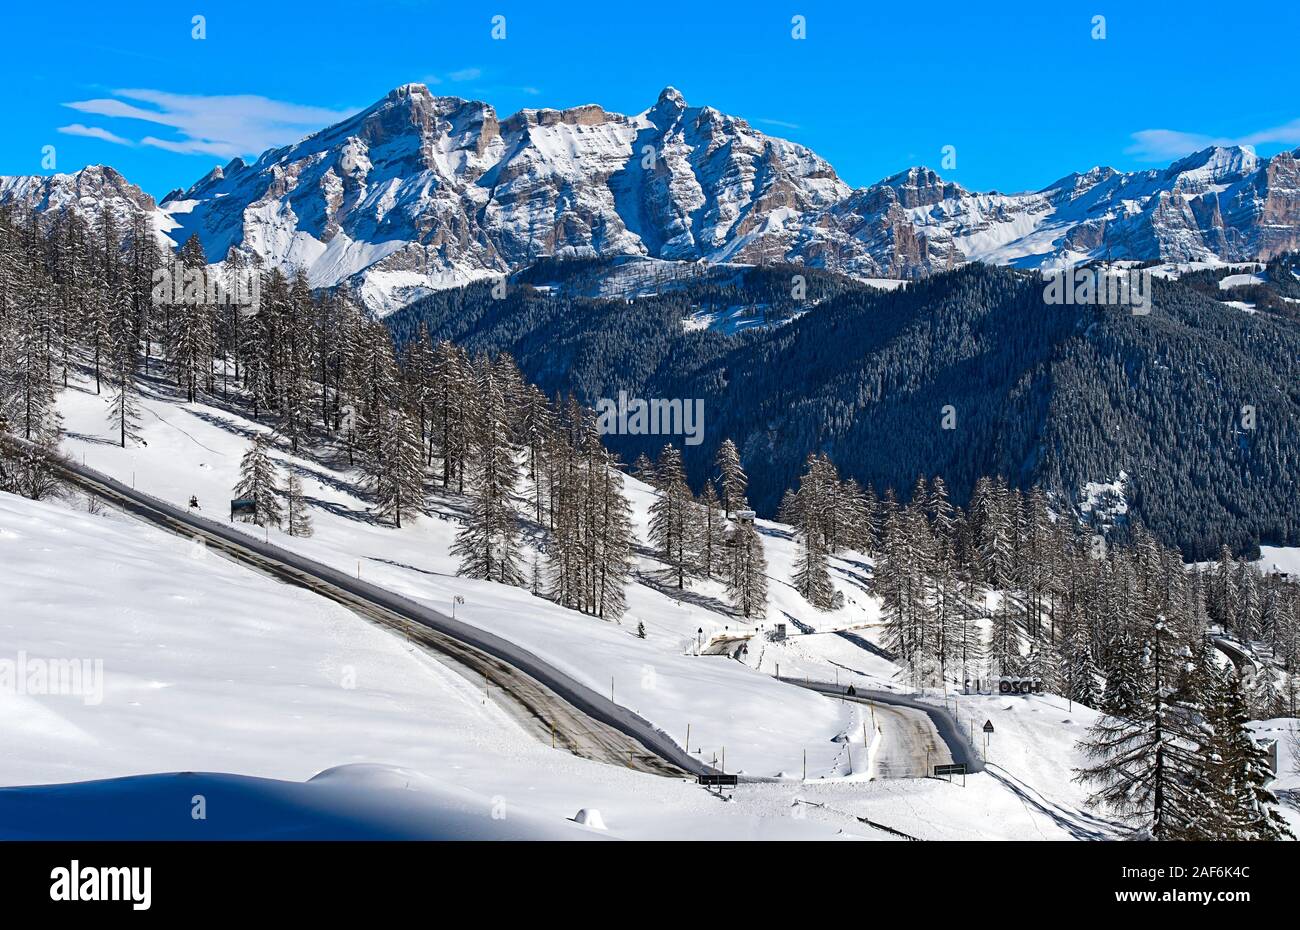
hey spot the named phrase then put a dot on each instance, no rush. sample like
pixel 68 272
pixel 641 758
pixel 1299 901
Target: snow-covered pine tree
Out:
pixel 453 409
pixel 388 438
pixel 812 578
pixel 123 353
pixel 995 529
pixel 855 519
pixel 297 513
pixel 1004 637
pixel 644 470
pixel 1265 699
pixel 711 526
pixel 488 541
pixel 967 643
pixel 611 531
pixel 1122 696
pixel 891 587
pixel 257 481
pixel 674 518
pixel 1247 625
pixel 1222 605
pixel 943 517
pixel 1044 664
pixel 1036 577
pixel 1242 807
pixel 746 570
pixel 1145 766
pixel 1079 671
pixel 190 344
pixel 733 480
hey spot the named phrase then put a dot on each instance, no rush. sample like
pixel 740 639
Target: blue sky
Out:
pixel 1023 92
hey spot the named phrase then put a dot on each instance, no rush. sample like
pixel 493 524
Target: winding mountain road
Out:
pixel 551 703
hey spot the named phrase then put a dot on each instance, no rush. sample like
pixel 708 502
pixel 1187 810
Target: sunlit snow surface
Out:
pixel 210 668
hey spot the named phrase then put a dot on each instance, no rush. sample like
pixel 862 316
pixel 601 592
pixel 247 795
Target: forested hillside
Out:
pixel 1058 395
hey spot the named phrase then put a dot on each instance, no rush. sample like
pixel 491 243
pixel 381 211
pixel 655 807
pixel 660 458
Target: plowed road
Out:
pixel 550 702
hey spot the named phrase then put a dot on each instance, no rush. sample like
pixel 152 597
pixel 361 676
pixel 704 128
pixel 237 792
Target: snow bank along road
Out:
pixel 554 704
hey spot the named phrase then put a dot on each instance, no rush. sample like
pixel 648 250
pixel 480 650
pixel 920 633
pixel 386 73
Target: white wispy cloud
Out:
pixel 93 132
pixel 221 125
pixel 1168 144
pixel 466 74
pixel 777 122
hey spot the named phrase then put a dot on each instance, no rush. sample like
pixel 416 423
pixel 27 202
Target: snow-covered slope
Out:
pixel 199 665
pixel 762 725
pixel 281 654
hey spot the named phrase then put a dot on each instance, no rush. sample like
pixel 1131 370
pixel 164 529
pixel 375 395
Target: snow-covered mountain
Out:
pixel 88 193
pixel 421 191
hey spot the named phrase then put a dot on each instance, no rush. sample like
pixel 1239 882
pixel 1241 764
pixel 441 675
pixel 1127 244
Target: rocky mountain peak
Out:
pixel 670 96
pixel 420 191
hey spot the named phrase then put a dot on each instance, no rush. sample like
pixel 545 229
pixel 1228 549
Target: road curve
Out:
pixel 585 718
pixel 958 747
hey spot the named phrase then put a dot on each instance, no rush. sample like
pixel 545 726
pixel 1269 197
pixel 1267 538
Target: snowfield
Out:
pixel 209 667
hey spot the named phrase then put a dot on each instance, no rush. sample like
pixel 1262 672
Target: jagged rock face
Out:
pixel 420 191
pixel 86 191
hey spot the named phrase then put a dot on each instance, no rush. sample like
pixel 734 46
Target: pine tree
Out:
pixel 643 469
pixel 298 515
pixel 1237 772
pixel 746 570
pixel 257 481
pixel 674 518
pixel 733 479
pixel 453 410
pixel 1079 670
pixel 190 343
pixel 387 437
pixel 395 466
pixel 812 577
pixel 1145 766
pixel 610 533
pixel 124 407
pixel 1004 637
pixel 488 542
pixel 1122 697
pixel 709 544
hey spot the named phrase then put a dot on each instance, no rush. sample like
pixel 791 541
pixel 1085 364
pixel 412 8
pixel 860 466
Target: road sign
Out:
pixel 719 781
pixel 988 726
pixel 957 768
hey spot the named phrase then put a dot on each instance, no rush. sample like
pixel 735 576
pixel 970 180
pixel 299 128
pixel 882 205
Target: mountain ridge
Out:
pixel 419 191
